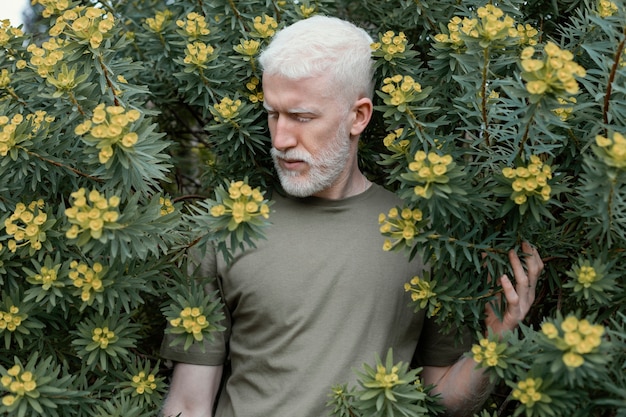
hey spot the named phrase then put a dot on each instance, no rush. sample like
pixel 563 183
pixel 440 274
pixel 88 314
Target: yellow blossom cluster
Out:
pixel 226 109
pixel 195 26
pixel 399 225
pixel 527 392
pixel 5 79
pixel 398 147
pixel 7 32
pixel 488 353
pixel 192 321
pixel 566 111
pixel 429 168
pixel 420 290
pixel 46 57
pixel 144 383
pixel 490 25
pixel 243 204
pixel 198 54
pixel 47 277
pixel 52 6
pixel 607 8
pixel 103 336
pixel 307 11
pixel 13 130
pixel 554 73
pixel 12 319
pixel 158 23
pixel 90 24
pixel 94 217
pixel 88 280
pixel 265 26
pixel 386 379
pixel 586 275
pixel 528 181
pixel 391 45
pixel 613 149
pixel 247 47
pixel 109 126
pixel 166 206
pixel 19 383
pixel 253 87
pixel 575 338
pixel 25 225
pixel 400 90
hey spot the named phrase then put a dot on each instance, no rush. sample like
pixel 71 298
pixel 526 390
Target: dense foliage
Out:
pixel 132 131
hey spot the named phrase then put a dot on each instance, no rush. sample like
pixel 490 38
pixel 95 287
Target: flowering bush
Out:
pixel 133 134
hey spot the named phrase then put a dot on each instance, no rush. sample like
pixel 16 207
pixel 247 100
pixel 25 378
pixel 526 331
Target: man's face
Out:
pixel 310 131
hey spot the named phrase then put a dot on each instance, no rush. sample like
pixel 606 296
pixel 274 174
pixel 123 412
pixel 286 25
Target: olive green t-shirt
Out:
pixel 314 301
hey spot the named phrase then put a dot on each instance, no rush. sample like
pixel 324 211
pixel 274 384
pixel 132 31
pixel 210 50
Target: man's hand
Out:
pixel 521 297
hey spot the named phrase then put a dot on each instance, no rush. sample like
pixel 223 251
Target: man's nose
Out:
pixel 283 135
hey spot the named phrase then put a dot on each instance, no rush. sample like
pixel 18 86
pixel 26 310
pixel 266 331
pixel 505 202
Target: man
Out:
pixel 319 297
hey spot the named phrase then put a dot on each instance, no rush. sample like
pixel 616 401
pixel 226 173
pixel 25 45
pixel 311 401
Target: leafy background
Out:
pixel 133 131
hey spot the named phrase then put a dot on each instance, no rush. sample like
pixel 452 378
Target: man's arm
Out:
pixel 192 391
pixel 464 388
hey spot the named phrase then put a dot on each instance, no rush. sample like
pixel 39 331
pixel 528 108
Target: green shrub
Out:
pixel 132 131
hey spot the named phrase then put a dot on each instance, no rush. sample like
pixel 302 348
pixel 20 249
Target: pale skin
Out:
pixel 301 115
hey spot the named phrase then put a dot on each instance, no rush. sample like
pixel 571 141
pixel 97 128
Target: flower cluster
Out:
pixel 586 275
pixel 427 169
pixel 488 353
pixel 19 383
pixel 307 11
pixel 198 54
pixel 109 126
pixel 88 280
pixel 195 26
pixel 612 150
pixel 256 95
pixel 46 57
pixel 5 79
pixel 7 32
pixel 144 384
pixel 391 45
pixel 103 336
pixel 166 206
pixel 247 47
pixel 607 8
pixel 574 338
pixel 243 204
pixel 400 90
pixel 47 277
pixel 566 111
pixel 89 24
pixel 226 110
pixel 19 128
pixel 527 392
pixel 12 319
pixel 264 26
pixel 52 6
pixel 192 321
pixel 529 181
pixel 491 25
pixel 91 218
pixel 555 73
pixel 158 23
pixel 398 147
pixel 26 225
pixel 386 379
pixel 421 292
pixel 65 80
pixel 399 225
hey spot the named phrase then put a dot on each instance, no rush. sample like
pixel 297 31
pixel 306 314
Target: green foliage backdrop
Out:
pixel 133 130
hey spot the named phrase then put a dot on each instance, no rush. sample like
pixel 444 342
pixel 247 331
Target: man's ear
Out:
pixel 362 109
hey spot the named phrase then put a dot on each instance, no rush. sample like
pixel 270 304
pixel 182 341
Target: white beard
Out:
pixel 324 169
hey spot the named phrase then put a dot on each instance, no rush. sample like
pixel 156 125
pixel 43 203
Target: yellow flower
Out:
pixel 573 360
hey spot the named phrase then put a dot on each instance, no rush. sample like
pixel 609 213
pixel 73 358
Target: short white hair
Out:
pixel 322 45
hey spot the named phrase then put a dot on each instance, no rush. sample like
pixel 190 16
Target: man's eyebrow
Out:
pixel 296 110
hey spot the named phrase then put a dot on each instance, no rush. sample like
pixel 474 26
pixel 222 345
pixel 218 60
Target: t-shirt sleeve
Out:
pixel 202 267
pixel 438 348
